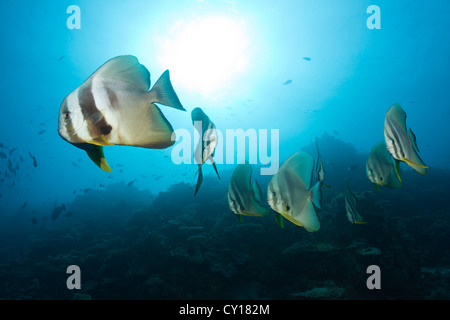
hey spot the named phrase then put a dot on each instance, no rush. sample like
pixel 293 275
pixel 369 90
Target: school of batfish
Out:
pixel 114 106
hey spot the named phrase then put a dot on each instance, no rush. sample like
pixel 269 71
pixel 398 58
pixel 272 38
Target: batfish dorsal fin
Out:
pixel 126 69
pixel 300 164
pixel 398 115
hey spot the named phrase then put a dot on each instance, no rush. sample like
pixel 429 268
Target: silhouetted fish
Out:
pixel 287 82
pixel 307 58
pixel 34 159
pixel 57 211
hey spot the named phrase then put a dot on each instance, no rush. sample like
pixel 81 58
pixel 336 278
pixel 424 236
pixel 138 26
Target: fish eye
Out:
pixel 381 178
pixel 67 115
pixel 288 208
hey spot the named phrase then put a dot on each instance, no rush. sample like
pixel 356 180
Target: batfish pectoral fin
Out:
pixel 215 168
pixel 100 141
pixel 96 154
pixel 360 222
pixel 397 169
pixel 199 180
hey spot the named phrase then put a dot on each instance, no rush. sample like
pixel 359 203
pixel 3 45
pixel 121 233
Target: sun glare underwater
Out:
pixel 225 150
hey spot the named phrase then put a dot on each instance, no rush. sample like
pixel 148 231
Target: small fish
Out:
pixel 87 190
pixel 318 168
pixel 23 205
pixel 290 193
pixel 320 172
pixel 306 58
pixel 41 132
pixel 350 206
pixel 34 159
pixel 75 164
pixel 12 150
pixel 60 58
pixel 57 211
pixel 44 222
pixel 68 214
pixel 129 184
pixel 382 169
pixel 2 155
pixel 245 198
pixel 113 106
pixel 401 143
pixel 34 220
pixel 287 82
pixel 207 142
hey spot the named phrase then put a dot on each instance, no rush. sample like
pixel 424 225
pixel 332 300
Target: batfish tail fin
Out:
pixel 163 92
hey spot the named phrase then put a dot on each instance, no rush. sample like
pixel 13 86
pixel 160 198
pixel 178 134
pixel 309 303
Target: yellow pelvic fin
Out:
pixel 245 213
pixel 415 164
pixel 291 219
pixel 360 222
pixel 100 141
pixel 397 170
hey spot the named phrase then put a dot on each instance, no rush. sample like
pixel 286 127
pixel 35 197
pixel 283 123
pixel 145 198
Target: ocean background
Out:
pixel 307 68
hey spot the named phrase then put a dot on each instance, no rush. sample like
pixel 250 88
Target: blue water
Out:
pixel 141 222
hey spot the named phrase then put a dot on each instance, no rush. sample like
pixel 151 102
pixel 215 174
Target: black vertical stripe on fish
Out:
pixel 394 136
pixel 396 140
pixel 90 112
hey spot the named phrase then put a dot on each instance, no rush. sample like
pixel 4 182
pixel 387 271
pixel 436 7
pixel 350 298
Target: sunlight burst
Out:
pixel 205 54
